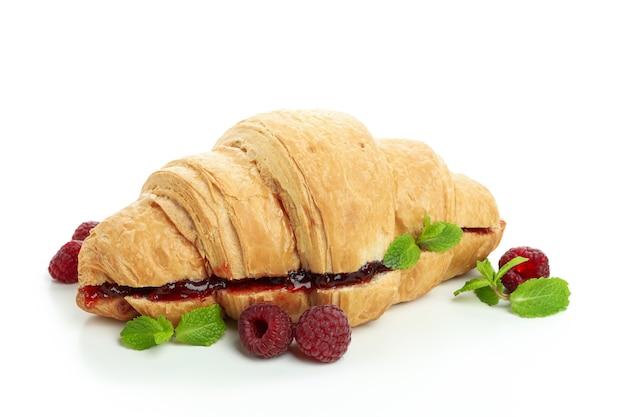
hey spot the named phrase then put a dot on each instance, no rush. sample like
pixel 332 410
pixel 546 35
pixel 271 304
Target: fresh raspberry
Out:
pixel 537 266
pixel 265 330
pixel 323 333
pixel 82 231
pixel 64 264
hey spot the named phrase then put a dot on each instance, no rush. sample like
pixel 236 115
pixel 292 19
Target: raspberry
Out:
pixel 537 266
pixel 82 231
pixel 64 264
pixel 265 330
pixel 323 333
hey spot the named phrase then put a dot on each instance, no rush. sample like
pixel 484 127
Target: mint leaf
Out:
pixel 144 332
pixel 405 250
pixel 510 264
pixel 488 289
pixel 540 297
pixel 472 285
pixel 439 236
pixel 403 253
pixel 202 326
pixel 487 295
pixel 486 270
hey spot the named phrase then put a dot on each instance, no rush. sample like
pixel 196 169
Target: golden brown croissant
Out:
pixel 292 207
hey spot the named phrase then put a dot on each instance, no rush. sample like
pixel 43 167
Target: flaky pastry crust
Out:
pixel 284 191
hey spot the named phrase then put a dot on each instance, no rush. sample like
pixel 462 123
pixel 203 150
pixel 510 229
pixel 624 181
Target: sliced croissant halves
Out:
pixel 292 207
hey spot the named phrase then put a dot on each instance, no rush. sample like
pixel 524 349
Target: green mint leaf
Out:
pixel 403 253
pixel 487 295
pixel 439 236
pixel 486 288
pixel 144 332
pixel 486 270
pixel 473 284
pixel 201 327
pixel 509 265
pixel 540 297
pixel 426 221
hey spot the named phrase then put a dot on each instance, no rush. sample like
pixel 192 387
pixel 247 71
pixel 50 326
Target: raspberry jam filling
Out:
pixel 300 280
pixel 477 230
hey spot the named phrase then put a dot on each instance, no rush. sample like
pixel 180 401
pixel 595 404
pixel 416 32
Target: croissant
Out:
pixel 296 208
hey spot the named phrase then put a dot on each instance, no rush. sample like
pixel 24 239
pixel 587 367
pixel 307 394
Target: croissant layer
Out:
pixel 283 195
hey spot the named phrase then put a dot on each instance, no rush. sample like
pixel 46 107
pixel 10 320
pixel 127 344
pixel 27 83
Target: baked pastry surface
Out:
pixel 280 192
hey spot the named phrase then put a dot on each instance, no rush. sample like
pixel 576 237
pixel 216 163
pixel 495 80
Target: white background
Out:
pixel 527 97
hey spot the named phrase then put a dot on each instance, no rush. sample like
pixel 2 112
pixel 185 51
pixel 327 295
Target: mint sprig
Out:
pixel 540 297
pixel 144 332
pixel 537 297
pixel 439 236
pixel 202 327
pixel 405 250
pixel 403 253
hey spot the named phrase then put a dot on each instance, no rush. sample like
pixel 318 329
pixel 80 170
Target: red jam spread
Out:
pixel 477 230
pixel 300 280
